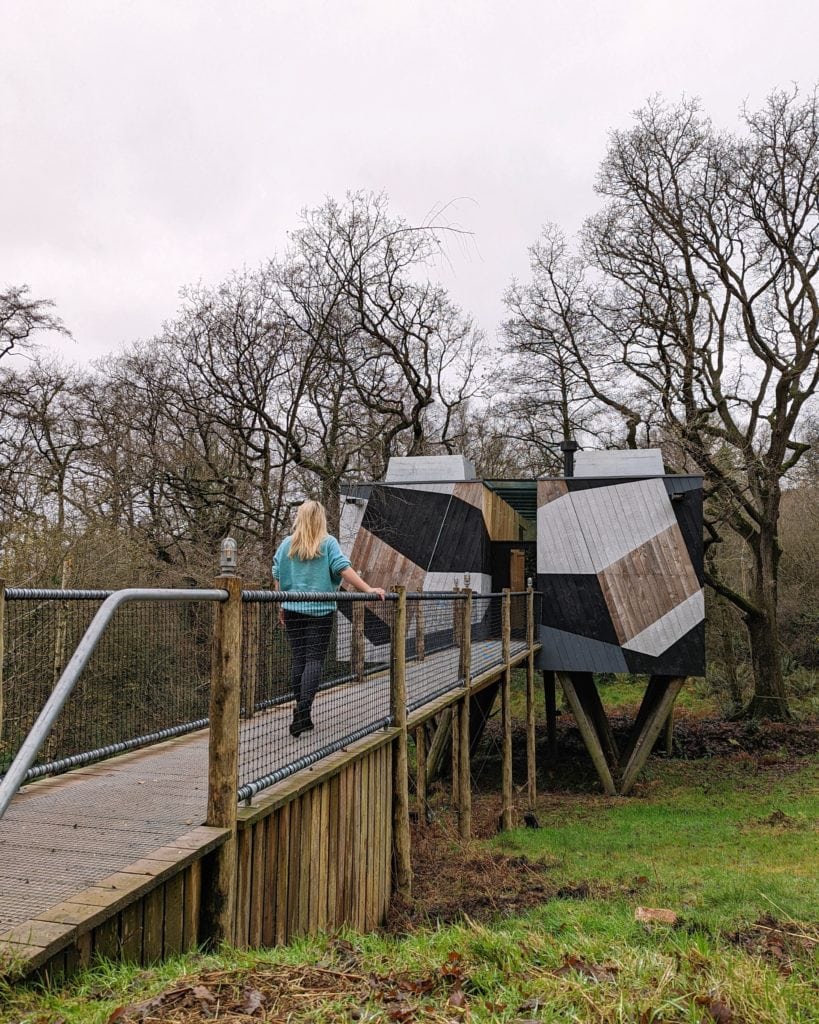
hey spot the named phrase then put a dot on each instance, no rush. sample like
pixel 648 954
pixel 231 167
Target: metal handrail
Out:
pixel 30 747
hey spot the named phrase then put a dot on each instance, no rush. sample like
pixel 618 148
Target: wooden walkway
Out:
pixel 65 834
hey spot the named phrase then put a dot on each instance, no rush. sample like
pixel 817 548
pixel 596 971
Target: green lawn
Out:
pixel 726 843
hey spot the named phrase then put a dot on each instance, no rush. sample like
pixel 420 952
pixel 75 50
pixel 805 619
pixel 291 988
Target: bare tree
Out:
pixel 703 318
pixel 357 289
pixel 22 317
pixel 549 399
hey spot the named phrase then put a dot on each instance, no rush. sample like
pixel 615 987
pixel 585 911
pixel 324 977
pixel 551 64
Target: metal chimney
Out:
pixel 568 447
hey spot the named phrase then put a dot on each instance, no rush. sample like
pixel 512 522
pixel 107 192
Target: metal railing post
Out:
pixel 400 760
pixel 219 894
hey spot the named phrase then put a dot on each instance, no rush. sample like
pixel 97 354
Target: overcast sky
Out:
pixel 153 143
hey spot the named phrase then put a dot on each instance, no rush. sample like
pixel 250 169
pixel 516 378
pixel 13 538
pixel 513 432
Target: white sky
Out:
pixel 150 144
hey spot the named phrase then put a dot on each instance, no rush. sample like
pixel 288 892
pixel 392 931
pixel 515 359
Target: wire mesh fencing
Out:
pixel 316 677
pixel 433 644
pixel 147 679
pixel 315 671
pixel 487 632
pixel 517 620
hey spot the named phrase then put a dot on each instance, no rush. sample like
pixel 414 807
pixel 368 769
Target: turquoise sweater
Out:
pixel 317 575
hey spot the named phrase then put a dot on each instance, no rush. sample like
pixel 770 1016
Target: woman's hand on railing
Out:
pixel 352 579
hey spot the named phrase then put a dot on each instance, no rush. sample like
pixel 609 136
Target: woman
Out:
pixel 311 560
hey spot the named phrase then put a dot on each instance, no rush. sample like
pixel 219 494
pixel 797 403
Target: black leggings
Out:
pixel 309 637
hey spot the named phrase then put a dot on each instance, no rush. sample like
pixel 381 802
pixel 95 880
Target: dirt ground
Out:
pixel 455 882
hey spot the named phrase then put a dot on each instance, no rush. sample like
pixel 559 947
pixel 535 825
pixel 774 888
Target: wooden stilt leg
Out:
pixel 654 721
pixel 550 698
pixel 438 746
pixel 669 733
pixel 588 732
pixel 482 703
pixel 465 785
pixel 651 698
pixel 593 706
pixel 421 772
pixel 456 757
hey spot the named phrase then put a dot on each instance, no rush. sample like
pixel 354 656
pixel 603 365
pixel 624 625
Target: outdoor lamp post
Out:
pixel 227 557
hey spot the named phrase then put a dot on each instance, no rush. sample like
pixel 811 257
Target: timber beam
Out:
pixel 618 770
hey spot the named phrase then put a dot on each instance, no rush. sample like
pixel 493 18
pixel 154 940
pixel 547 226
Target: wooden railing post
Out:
pixel 464 766
pixel 531 763
pixel 219 894
pixel 457 620
pixel 420 625
pixel 506 710
pixel 357 662
pixel 400 761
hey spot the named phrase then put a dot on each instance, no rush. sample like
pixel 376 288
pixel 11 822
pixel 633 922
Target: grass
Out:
pixel 723 842
pixel 729 845
pixel 699 695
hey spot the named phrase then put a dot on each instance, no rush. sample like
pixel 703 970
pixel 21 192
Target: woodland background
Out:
pixel 684 316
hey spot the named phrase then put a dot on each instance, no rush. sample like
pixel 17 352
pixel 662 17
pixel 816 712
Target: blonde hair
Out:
pixel 309 531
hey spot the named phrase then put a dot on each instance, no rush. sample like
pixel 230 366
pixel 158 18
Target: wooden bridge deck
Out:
pixel 62 835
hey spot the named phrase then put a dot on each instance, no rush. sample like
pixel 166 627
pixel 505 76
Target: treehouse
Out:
pixel 615 546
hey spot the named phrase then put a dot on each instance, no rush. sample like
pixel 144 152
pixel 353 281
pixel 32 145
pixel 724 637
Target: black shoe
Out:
pixel 301 723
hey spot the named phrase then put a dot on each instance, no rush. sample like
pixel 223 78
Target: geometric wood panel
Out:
pixel 375 560
pixel 619 567
pixel 648 582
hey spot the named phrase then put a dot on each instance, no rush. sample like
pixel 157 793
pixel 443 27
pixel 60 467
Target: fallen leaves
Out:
pixel 656 915
pixel 718 1010
pixel 777 942
pixel 575 964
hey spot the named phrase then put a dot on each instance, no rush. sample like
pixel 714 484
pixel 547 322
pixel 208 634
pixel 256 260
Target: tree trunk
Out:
pixel 729 655
pixel 332 504
pixel 768 700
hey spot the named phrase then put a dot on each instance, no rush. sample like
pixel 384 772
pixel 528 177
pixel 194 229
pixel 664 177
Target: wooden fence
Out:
pixel 323 849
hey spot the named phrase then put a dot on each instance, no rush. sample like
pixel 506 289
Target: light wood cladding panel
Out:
pixel 648 582
pixel 383 566
pixel 471 493
pixel 502 522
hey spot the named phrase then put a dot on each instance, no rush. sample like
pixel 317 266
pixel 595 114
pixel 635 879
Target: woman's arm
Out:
pixel 351 577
